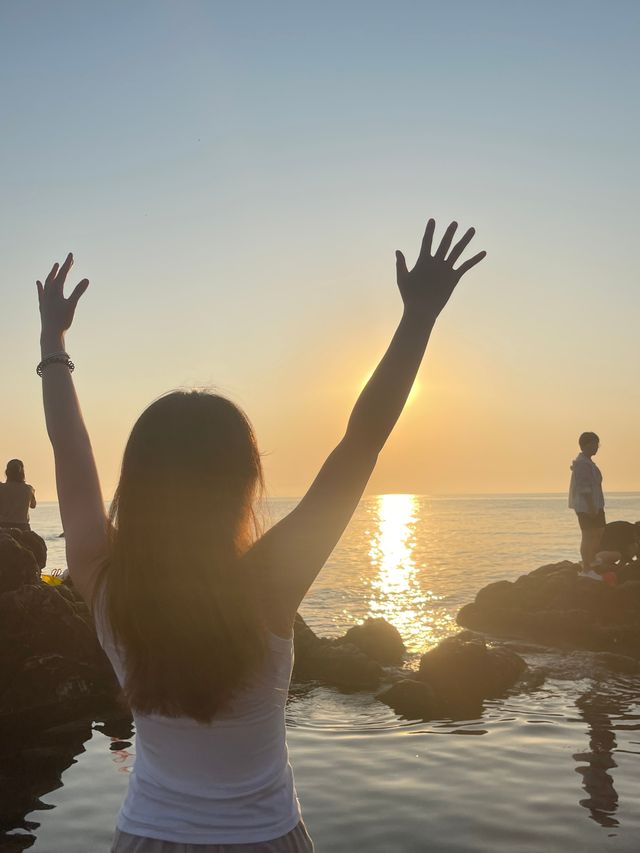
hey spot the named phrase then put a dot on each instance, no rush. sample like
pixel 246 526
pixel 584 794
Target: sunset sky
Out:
pixel 234 178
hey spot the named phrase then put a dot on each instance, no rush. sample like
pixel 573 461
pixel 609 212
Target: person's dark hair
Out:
pixel 178 599
pixel 586 439
pixel 15 471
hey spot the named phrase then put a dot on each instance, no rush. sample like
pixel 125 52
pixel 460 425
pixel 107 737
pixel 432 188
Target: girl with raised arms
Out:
pixel 193 606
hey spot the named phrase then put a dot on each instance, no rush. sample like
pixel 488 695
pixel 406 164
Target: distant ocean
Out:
pixel 555 769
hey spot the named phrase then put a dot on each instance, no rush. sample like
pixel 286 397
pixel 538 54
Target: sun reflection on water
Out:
pixel 397 593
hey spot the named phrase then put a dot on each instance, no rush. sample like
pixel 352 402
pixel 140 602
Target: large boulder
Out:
pixel 51 665
pixel 378 639
pixel 463 671
pixel 333 662
pixel 454 679
pixel 33 542
pixel 49 690
pixel 38 619
pixel 18 566
pixel 555 605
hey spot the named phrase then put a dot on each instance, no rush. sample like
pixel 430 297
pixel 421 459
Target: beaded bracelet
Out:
pixel 58 357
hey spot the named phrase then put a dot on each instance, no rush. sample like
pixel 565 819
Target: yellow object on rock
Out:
pixel 52 580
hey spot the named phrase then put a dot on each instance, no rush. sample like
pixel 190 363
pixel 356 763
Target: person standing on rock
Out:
pixel 16 497
pixel 587 499
pixel 193 607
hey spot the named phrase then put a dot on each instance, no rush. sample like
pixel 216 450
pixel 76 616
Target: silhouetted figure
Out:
pixel 195 608
pixel 619 546
pixel 16 497
pixel 586 497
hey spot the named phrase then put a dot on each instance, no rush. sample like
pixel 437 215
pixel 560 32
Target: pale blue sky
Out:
pixel 234 178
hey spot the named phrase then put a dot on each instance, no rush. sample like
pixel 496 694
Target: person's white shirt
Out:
pixel 586 481
pixel 229 782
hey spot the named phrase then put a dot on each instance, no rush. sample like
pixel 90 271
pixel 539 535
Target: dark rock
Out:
pixel 33 542
pixel 472 617
pixel 51 689
pixel 333 662
pixel 498 594
pixel 464 672
pixel 627 597
pixel 553 568
pixel 378 639
pixel 412 699
pixel 507 622
pixel 342 665
pixel 629 573
pixel 622 639
pixel 555 605
pixel 38 620
pixel 458 674
pixel 18 566
pixel 469 636
pixel 51 664
pixel 558 627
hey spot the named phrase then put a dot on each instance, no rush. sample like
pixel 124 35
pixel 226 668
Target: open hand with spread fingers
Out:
pixel 56 311
pixel 427 287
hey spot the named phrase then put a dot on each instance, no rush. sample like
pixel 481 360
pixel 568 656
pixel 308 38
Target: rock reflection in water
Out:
pixel 597 710
pixel 32 767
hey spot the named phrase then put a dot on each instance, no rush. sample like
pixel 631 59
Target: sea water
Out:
pixel 555 768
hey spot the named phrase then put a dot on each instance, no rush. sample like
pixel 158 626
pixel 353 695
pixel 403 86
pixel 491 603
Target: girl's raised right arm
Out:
pixel 291 554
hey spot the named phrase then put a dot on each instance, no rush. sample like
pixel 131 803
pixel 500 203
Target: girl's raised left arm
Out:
pixel 82 509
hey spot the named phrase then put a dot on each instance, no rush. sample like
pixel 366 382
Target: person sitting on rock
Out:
pixel 619 545
pixel 193 607
pixel 16 497
pixel 587 499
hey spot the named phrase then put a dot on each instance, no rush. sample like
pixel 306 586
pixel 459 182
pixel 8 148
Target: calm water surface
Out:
pixel 553 769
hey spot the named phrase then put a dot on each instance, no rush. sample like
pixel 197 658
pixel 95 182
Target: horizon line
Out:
pixel 435 495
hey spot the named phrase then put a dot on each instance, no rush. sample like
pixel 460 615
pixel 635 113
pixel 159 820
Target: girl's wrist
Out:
pixel 421 318
pixel 51 342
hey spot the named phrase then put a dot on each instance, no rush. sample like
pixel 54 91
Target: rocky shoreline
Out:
pixel 555 606
pixel 452 679
pixel 57 687
pixel 52 669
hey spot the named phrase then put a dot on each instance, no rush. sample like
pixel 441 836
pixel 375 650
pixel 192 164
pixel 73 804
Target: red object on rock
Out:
pixel 610 577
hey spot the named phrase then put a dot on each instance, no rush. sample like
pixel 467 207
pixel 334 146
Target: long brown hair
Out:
pixel 183 513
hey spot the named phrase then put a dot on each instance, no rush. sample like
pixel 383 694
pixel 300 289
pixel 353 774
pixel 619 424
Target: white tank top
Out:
pixel 229 782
